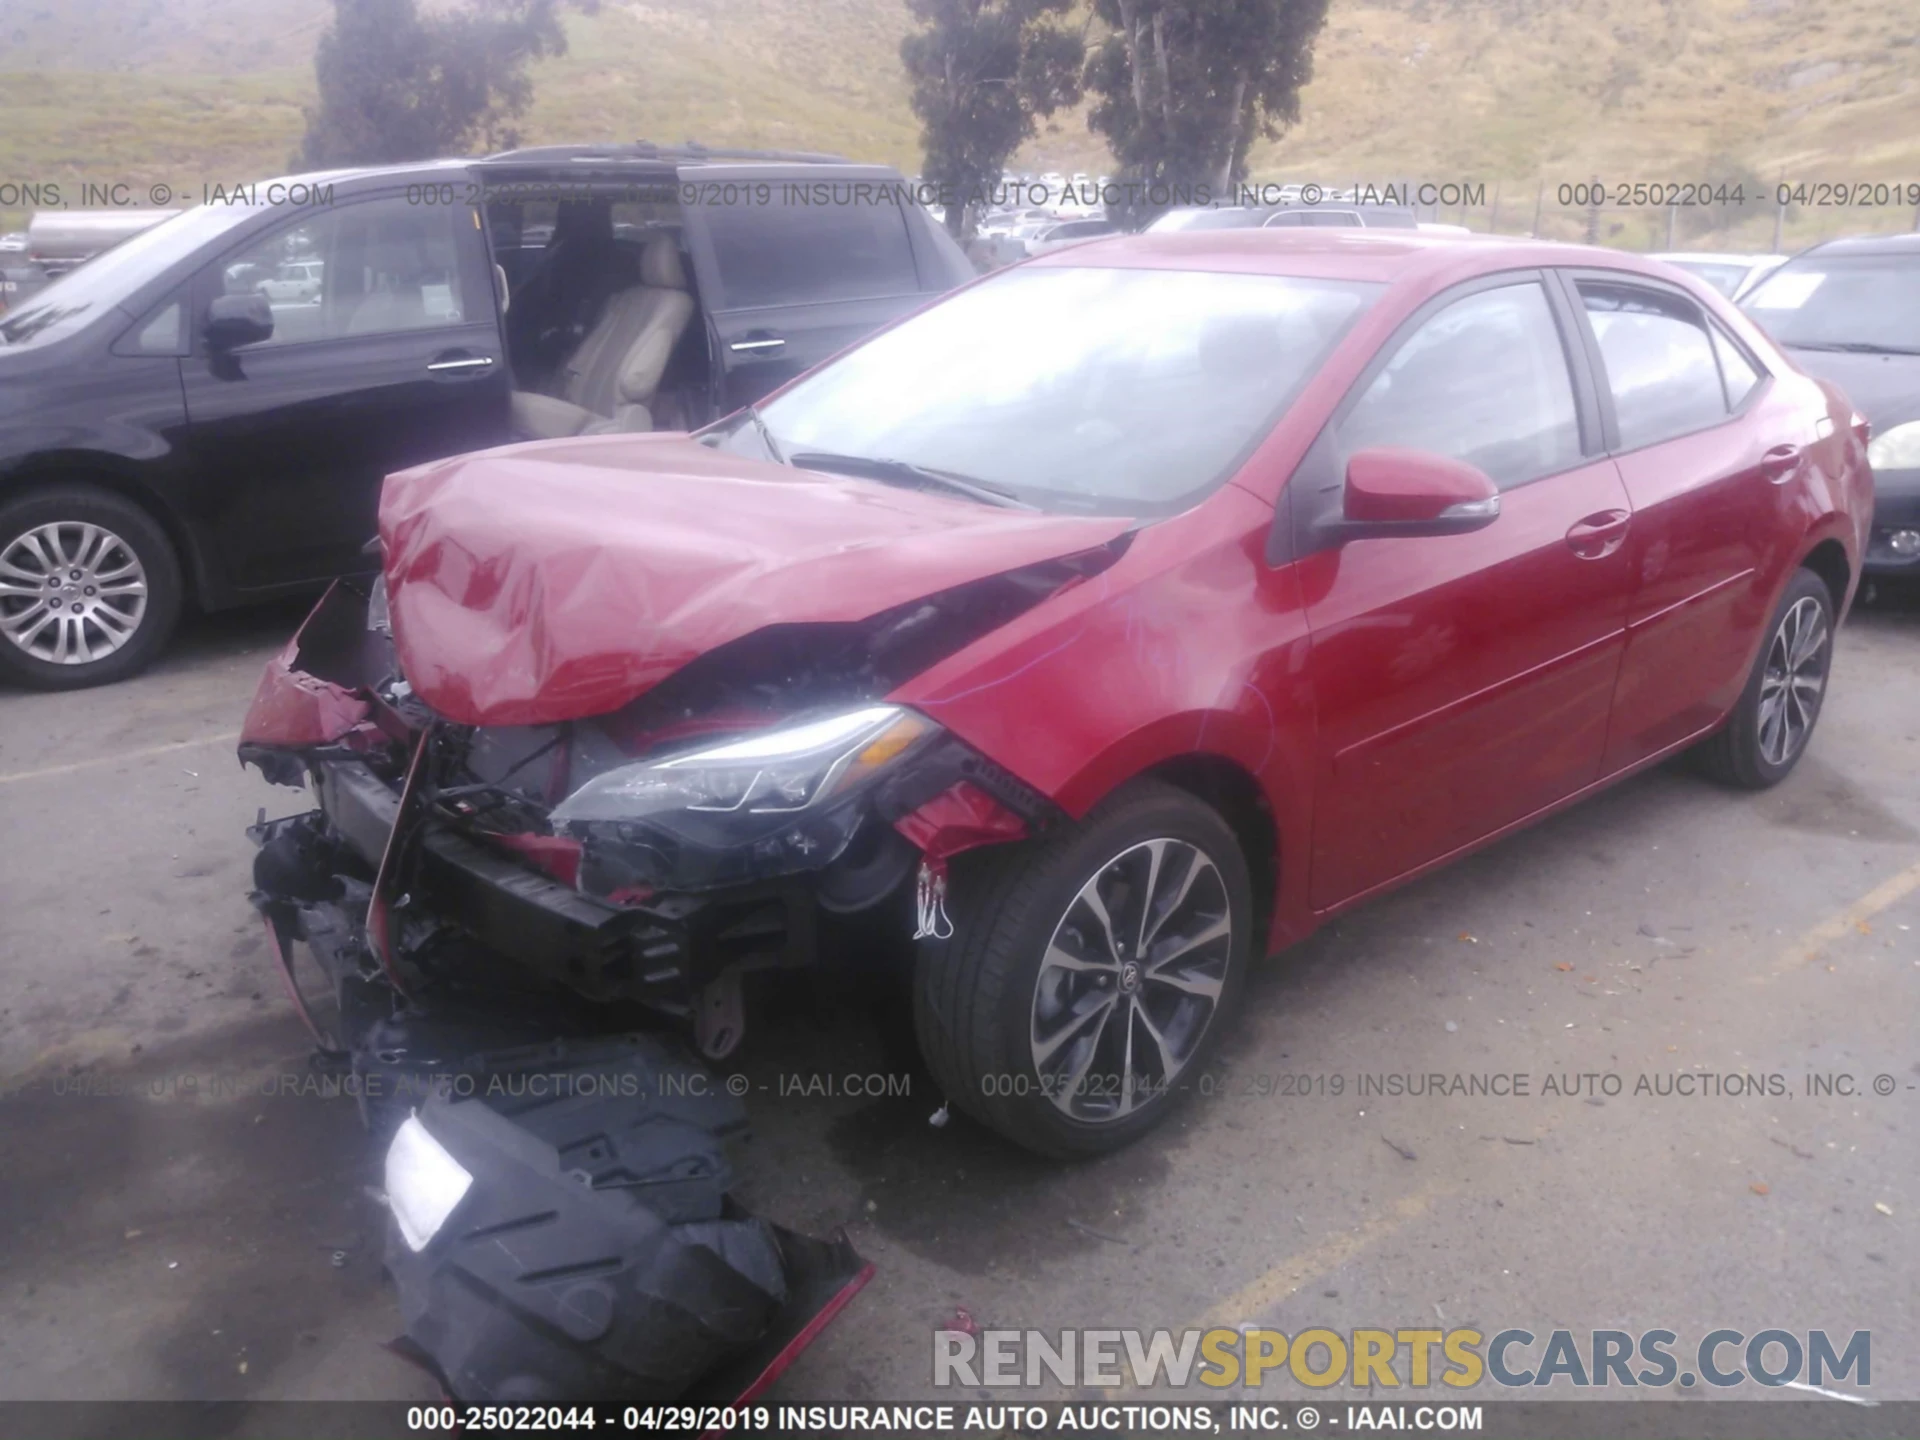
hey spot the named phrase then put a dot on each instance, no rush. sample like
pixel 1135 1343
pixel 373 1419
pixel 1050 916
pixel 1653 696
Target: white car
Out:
pixel 1068 232
pixel 1003 223
pixel 296 282
pixel 1732 275
pixel 1208 217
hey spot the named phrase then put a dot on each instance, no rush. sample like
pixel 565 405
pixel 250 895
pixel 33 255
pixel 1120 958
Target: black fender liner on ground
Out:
pixel 596 1256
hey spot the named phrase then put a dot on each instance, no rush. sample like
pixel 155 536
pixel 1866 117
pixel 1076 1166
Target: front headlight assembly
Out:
pixel 769 803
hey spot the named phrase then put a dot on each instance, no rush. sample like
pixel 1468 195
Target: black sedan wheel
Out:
pixel 89 588
pixel 1089 976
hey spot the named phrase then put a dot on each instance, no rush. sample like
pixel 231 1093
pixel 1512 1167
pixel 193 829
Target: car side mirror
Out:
pixel 1393 491
pixel 236 320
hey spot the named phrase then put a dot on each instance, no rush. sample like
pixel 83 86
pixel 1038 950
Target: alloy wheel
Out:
pixel 1791 684
pixel 1130 980
pixel 71 592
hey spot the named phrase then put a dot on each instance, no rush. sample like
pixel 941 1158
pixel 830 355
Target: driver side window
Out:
pixel 376 268
pixel 1485 381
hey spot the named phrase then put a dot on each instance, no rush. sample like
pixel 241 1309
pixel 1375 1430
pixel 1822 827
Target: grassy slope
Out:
pixel 1509 91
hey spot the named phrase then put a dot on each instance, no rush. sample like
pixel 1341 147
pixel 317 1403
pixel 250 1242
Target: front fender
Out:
pixel 1189 646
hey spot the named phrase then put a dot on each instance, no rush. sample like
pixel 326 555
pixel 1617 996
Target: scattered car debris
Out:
pixel 564 1232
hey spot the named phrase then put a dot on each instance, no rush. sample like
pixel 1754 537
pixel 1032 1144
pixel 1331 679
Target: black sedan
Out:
pixel 1849 312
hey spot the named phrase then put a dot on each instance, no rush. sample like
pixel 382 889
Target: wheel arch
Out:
pixel 1256 773
pixel 1828 559
pixel 103 474
pixel 1234 792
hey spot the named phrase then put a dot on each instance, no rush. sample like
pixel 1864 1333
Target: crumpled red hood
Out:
pixel 560 580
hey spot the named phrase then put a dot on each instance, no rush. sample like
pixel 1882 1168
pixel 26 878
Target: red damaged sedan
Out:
pixel 1101 628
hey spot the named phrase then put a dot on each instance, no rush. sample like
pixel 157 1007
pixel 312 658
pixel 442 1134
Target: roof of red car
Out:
pixel 1339 254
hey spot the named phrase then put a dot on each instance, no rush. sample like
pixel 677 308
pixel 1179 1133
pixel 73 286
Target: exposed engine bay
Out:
pixel 655 854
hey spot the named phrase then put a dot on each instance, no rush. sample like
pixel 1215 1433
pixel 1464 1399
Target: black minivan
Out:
pixel 205 412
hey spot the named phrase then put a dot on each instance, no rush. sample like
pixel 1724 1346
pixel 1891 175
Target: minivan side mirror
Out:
pixel 236 320
pixel 1392 491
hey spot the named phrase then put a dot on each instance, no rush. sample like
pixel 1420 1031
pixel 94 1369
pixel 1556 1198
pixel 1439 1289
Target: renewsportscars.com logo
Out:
pixel 1371 1359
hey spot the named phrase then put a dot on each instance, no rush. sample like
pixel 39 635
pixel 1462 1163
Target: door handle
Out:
pixel 1596 536
pixel 458 364
pixel 771 342
pixel 1779 463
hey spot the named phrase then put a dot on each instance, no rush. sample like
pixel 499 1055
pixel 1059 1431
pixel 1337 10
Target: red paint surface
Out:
pixel 555 855
pixel 1387 482
pixel 961 818
pixel 294 709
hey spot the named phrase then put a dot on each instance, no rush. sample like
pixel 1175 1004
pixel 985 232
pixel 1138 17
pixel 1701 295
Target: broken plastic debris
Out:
pixel 1883 1207
pixel 1760 1187
pixel 939 1118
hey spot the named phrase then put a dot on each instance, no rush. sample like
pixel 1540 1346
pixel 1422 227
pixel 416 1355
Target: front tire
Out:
pixel 89 588
pixel 1773 720
pixel 1089 976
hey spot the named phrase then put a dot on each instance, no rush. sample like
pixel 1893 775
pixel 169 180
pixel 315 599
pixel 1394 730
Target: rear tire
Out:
pixel 90 588
pixel 1026 1014
pixel 1773 720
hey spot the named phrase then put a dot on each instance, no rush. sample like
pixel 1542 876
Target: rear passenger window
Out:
pixel 799 254
pixel 1485 381
pixel 1660 362
pixel 1737 372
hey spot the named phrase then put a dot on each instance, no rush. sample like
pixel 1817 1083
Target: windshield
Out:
pixel 79 296
pixel 1109 391
pixel 1842 302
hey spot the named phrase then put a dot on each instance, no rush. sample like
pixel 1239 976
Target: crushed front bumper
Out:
pixel 401 888
pixel 660 950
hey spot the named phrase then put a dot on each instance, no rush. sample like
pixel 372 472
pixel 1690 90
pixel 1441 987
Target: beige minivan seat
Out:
pixel 609 381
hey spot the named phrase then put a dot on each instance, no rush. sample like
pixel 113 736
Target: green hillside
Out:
pixel 1518 95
